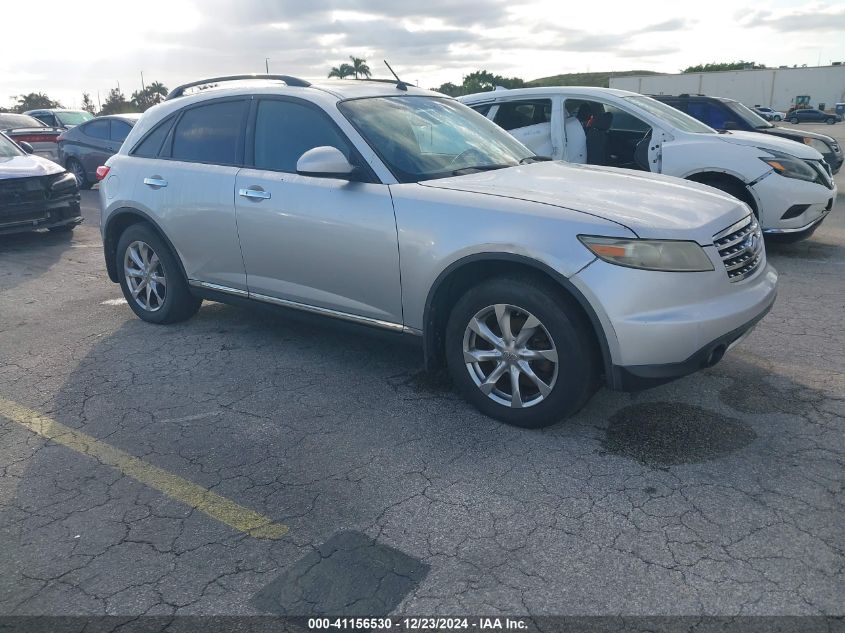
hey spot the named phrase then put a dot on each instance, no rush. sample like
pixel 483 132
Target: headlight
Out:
pixel 820 146
pixel 665 255
pixel 63 181
pixel 789 166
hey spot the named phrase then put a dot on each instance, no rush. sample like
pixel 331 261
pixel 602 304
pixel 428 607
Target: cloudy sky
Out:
pixel 63 49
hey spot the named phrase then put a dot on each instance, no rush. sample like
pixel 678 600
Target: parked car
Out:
pixel 60 117
pixel 769 114
pixel 89 145
pixel 35 192
pixel 22 128
pixel 812 115
pixel 787 185
pixel 726 114
pixel 400 208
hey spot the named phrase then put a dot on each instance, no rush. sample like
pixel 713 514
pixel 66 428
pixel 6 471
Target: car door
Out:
pixel 184 171
pixel 93 145
pixel 327 243
pixel 530 122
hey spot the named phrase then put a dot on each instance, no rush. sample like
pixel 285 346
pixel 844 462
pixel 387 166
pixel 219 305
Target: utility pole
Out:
pixel 143 87
pixel 267 65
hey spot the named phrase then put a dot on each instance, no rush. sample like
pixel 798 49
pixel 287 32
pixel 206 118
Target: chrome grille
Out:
pixel 741 248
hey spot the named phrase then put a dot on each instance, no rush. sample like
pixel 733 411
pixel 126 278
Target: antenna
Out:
pixel 401 85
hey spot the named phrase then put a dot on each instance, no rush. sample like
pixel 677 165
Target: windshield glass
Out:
pixel 8 149
pixel 74 117
pixel 13 121
pixel 421 138
pixel 748 115
pixel 676 118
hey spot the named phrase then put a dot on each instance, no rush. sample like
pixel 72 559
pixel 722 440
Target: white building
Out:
pixel 773 87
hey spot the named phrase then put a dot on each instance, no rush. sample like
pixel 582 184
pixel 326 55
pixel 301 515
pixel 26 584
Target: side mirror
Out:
pixel 326 162
pixel 26 147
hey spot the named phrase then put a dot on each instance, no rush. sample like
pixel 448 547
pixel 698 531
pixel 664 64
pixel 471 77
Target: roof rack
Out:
pixel 288 79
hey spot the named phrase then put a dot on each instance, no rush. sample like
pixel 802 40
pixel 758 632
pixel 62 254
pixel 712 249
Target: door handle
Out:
pixel 155 181
pixel 256 193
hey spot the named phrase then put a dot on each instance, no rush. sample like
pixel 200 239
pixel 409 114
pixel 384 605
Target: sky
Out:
pixel 72 50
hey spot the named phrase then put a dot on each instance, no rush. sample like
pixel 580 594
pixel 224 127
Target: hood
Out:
pixel 787 146
pixel 27 166
pixel 650 205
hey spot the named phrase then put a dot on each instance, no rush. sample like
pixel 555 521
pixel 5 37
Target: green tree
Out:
pixel 341 72
pixel 87 104
pixel 359 67
pixel 149 96
pixel 116 103
pixel 480 81
pixel 34 101
pixel 716 67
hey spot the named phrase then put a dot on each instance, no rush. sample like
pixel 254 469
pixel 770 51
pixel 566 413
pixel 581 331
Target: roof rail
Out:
pixel 288 79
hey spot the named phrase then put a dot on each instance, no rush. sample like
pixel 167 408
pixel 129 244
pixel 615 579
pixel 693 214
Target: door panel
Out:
pixel 322 242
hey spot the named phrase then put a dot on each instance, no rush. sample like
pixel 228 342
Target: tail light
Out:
pixel 102 172
pixel 36 138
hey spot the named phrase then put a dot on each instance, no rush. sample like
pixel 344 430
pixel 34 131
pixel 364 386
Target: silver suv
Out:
pixel 532 281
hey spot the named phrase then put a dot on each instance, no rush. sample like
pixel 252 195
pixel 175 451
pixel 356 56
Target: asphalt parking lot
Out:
pixel 210 467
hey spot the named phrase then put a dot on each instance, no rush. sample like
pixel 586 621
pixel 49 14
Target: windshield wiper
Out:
pixel 535 159
pixel 474 168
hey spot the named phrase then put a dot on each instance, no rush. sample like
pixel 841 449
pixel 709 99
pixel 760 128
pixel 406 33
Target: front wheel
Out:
pixel 830 120
pixel 520 352
pixel 151 278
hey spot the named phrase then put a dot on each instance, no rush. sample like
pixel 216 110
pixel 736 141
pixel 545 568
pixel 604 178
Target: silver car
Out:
pixel 533 281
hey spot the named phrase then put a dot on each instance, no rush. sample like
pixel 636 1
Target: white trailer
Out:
pixel 777 88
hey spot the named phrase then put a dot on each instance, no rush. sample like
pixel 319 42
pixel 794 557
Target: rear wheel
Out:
pixel 151 278
pixel 776 117
pixel 78 171
pixel 520 353
pixel 793 120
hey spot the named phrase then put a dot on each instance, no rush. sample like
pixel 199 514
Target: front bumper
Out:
pixel 776 195
pixel 43 216
pixel 660 326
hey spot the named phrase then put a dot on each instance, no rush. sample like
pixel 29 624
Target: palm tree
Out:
pixel 359 67
pixel 157 91
pixel 341 72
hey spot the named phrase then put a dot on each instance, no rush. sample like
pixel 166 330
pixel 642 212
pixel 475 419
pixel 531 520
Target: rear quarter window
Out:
pixel 151 144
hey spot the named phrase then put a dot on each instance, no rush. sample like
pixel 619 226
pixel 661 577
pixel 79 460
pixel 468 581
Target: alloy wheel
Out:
pixel 78 172
pixel 510 356
pixel 145 276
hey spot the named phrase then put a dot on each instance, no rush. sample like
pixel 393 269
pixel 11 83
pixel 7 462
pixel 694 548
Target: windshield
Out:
pixel 8 149
pixel 75 117
pixel 748 115
pixel 675 118
pixel 13 121
pixel 421 138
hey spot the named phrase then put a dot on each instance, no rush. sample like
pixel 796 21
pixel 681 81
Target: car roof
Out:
pixel 42 110
pixel 589 91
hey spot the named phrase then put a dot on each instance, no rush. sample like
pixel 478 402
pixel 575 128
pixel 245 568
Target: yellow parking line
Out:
pixel 218 507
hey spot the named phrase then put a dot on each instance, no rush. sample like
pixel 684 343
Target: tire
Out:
pixel 733 188
pixel 793 120
pixel 830 120
pixel 776 117
pixel 76 168
pixel 562 334
pixel 141 250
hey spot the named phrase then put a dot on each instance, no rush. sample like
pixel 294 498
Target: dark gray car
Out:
pixel 811 115
pixel 85 147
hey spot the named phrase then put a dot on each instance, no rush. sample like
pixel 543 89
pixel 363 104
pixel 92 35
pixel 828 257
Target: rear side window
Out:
pixel 47 119
pixel 483 109
pixel 210 133
pixel 119 130
pixel 150 146
pixel 98 129
pixel 517 114
pixel 285 130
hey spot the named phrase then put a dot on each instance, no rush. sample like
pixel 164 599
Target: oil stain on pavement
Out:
pixel 348 575
pixel 662 434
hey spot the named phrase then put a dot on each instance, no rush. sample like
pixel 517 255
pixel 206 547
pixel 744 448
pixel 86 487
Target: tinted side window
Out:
pixel 210 133
pixel 285 130
pixel 709 113
pixel 150 146
pixel 119 130
pixel 483 109
pixel 519 114
pixel 47 119
pixel 97 129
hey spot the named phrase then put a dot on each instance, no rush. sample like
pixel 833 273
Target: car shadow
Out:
pixel 24 256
